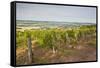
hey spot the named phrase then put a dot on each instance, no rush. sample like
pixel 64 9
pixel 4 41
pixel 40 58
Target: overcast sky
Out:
pixel 42 12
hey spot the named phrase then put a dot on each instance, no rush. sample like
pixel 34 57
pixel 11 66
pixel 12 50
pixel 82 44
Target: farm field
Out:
pixel 55 43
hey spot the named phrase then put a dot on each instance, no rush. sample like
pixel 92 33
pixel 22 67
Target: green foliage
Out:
pixel 51 37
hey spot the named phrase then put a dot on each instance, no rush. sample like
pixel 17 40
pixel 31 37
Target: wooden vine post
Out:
pixel 29 50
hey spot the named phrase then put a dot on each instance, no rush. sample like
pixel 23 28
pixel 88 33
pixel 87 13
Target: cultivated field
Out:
pixel 56 45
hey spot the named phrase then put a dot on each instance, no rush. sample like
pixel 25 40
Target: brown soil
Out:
pixel 81 52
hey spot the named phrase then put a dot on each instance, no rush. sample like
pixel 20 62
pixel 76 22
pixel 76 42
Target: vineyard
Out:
pixel 56 45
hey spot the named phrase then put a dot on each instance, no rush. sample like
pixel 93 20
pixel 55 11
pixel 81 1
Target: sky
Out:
pixel 43 12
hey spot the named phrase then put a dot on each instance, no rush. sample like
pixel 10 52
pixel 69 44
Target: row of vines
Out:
pixel 54 38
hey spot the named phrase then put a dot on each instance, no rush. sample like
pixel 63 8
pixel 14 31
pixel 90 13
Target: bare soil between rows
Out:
pixel 68 54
